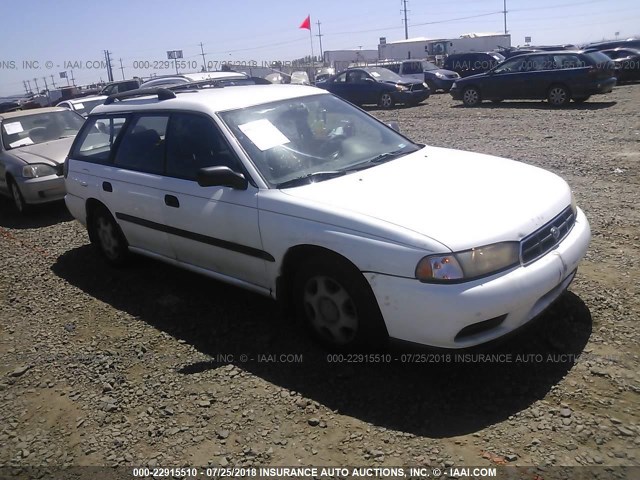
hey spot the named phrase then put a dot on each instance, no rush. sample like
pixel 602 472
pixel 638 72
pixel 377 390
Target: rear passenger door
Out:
pixel 133 186
pixel 213 228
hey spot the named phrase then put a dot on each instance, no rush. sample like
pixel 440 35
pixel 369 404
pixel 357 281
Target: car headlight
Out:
pixel 440 75
pixel 401 88
pixel 37 170
pixel 468 264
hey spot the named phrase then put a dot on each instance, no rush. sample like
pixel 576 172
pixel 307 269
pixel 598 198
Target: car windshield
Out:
pixel 383 74
pixel 39 128
pixel 312 138
pixel 427 66
pixel 85 107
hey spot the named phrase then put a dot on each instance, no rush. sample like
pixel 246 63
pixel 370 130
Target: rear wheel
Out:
pixel 107 236
pixel 581 99
pixel 337 305
pixel 18 200
pixel 558 96
pixel 471 97
pixel 386 101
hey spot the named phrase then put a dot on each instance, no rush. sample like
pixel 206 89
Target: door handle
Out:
pixel 171 201
pixel 107 187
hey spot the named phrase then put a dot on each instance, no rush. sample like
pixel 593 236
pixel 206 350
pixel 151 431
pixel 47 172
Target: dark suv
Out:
pixel 467 64
pixel 559 77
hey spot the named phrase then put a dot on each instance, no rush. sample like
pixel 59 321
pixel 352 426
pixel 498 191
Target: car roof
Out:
pixel 24 113
pixel 195 77
pixel 212 100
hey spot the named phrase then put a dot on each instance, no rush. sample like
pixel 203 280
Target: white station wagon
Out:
pixel 295 194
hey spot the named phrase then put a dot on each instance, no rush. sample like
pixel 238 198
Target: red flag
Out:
pixel 307 23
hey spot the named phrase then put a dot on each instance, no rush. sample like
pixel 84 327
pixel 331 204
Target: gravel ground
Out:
pixel 145 366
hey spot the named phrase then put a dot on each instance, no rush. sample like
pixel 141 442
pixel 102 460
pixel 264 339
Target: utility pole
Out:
pixel 320 39
pixel 73 80
pixel 35 80
pixel 25 86
pixel 109 70
pixel 53 80
pixel 122 69
pixel 504 12
pixel 29 83
pixel 46 87
pixel 204 60
pixel 406 27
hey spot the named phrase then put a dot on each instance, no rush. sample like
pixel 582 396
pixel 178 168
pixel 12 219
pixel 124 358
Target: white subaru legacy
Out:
pixel 296 194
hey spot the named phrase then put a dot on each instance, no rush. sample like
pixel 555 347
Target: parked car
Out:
pixel 376 85
pixel 557 76
pixel 628 43
pixel 467 64
pixel 627 63
pixel 33 146
pixel 171 80
pixel 295 194
pixel 120 87
pixel 435 77
pixel 83 105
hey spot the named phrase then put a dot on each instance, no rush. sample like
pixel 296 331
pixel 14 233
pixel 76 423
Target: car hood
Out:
pixel 460 199
pixel 442 71
pixel 52 153
pixel 404 81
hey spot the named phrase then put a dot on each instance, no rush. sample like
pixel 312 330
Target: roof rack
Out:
pixel 212 83
pixel 162 93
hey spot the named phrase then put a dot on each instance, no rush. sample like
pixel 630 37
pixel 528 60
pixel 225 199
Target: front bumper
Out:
pixel 456 93
pixel 41 189
pixel 443 315
pixel 442 83
pixel 408 97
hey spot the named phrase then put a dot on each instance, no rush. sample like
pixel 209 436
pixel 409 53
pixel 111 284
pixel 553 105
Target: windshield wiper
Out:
pixel 385 157
pixel 311 178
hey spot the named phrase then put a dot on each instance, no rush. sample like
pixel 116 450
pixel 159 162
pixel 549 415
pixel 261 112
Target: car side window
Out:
pixel 142 146
pixel 538 63
pixel 411 68
pixel 342 78
pixel 194 142
pixel 513 65
pixel 394 67
pixel 568 61
pixel 97 138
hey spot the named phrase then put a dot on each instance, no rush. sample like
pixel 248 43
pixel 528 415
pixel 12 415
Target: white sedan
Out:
pixel 295 194
pixel 83 105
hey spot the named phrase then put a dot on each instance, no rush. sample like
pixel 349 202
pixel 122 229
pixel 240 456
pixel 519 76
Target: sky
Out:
pixel 41 38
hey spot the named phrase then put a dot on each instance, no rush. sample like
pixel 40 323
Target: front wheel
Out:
pixel 386 101
pixel 18 200
pixel 558 96
pixel 107 237
pixel 471 97
pixel 337 305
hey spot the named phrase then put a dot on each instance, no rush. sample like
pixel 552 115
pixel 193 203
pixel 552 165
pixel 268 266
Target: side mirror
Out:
pixel 395 125
pixel 221 177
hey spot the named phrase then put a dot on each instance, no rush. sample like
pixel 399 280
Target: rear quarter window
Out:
pixel 597 57
pixel 97 138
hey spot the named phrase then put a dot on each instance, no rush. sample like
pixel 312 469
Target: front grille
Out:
pixel 547 237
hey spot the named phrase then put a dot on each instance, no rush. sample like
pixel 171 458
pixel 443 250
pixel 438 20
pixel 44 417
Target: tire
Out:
pixel 16 196
pixel 558 96
pixel 107 237
pixel 471 97
pixel 336 304
pixel 581 99
pixel 386 101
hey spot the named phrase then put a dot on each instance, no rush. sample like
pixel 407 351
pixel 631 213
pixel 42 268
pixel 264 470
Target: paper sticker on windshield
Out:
pixel 79 106
pixel 263 134
pixel 13 128
pixel 21 143
pixel 374 74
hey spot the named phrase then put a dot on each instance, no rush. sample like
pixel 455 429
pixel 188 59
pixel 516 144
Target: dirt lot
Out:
pixel 150 365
